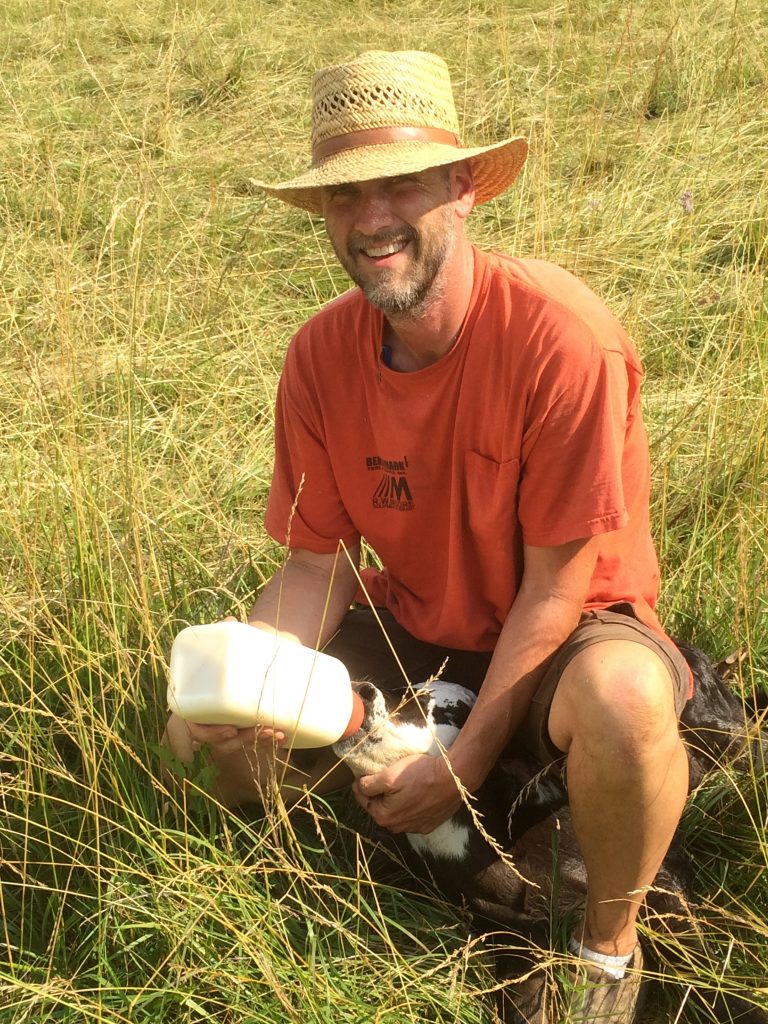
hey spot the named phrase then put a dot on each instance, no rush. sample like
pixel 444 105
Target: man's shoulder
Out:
pixel 334 337
pixel 349 307
pixel 540 279
pixel 557 301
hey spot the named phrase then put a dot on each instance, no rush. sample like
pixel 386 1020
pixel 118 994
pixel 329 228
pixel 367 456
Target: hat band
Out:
pixel 379 137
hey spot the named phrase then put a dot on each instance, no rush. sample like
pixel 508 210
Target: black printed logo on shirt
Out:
pixel 392 490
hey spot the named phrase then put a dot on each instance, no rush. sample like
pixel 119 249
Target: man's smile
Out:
pixel 378 252
pixel 382 250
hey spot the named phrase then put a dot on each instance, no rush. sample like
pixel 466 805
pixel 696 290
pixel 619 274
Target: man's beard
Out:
pixel 394 296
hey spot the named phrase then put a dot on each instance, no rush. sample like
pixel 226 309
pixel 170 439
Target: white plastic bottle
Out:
pixel 229 673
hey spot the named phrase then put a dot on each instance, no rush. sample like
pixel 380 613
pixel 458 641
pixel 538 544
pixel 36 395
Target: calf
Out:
pixel 511 850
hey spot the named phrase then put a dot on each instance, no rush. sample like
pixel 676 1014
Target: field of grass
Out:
pixel 147 294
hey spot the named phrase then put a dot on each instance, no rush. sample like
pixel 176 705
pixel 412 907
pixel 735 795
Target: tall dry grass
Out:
pixel 146 298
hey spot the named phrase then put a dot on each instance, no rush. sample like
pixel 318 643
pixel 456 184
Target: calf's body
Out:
pixel 515 851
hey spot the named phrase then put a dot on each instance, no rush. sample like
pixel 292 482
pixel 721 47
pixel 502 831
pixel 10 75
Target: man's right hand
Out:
pixel 228 739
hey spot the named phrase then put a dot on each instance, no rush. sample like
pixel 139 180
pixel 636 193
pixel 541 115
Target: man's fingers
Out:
pixel 264 734
pixel 229 738
pixel 211 733
pixel 374 805
pixel 372 785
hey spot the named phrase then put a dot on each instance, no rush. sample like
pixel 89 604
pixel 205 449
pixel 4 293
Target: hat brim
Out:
pixel 494 168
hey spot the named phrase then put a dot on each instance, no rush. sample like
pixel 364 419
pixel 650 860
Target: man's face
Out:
pixel 393 236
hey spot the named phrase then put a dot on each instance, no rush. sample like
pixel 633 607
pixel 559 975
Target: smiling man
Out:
pixel 476 419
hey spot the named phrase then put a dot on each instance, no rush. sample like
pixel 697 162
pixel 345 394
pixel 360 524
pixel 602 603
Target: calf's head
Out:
pixel 397 723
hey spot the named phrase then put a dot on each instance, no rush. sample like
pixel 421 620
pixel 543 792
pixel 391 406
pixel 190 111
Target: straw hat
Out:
pixel 384 114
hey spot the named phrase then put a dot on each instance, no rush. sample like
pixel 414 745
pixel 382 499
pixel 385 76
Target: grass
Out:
pixel 148 293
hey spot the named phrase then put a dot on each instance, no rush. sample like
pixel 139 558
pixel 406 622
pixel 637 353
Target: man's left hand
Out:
pixel 416 794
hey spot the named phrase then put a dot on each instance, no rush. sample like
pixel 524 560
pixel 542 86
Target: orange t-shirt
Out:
pixel 528 430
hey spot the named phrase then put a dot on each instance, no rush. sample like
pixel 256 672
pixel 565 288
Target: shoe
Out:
pixel 588 994
pixel 527 1001
pixel 578 993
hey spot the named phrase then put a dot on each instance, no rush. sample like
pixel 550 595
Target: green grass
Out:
pixel 146 299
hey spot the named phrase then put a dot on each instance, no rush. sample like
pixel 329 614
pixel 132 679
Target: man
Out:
pixel 476 419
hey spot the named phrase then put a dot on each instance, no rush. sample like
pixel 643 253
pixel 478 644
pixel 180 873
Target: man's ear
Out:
pixel 462 188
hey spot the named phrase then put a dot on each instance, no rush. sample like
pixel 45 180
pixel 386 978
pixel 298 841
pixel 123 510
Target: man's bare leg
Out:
pixel 614 715
pixel 248 772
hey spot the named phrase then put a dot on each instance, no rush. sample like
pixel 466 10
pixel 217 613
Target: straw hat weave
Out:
pixel 384 114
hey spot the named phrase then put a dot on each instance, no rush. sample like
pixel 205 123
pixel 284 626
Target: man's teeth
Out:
pixel 375 252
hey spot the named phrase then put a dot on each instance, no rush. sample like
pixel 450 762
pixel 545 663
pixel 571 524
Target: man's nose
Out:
pixel 374 212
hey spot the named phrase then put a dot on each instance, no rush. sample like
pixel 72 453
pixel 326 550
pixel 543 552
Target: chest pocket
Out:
pixel 490 494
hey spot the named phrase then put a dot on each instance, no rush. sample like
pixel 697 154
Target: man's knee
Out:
pixel 618 694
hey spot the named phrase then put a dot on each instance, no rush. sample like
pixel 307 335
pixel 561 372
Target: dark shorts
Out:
pixel 381 651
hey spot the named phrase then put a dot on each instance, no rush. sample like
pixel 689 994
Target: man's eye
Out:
pixel 340 192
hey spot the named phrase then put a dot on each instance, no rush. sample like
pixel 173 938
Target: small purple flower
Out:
pixel 686 201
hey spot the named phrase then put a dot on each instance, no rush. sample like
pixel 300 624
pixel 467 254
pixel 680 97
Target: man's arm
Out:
pixel 418 793
pixel 546 611
pixel 309 596
pixel 304 601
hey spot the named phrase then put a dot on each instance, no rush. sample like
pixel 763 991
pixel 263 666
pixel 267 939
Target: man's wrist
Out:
pixel 466 769
pixel 447 776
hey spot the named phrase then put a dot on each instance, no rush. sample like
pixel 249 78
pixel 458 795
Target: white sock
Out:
pixel 615 966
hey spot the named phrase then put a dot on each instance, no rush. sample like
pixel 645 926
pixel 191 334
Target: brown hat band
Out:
pixel 381 137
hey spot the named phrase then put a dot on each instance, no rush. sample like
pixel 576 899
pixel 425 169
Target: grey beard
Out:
pixel 406 300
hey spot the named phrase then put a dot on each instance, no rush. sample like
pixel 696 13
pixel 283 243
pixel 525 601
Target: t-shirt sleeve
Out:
pixel 304 509
pixel 571 484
